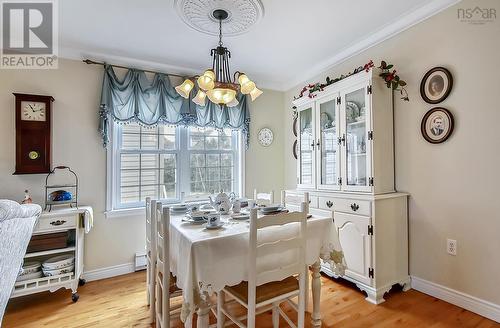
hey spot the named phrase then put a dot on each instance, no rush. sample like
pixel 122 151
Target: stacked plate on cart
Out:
pixel 58 265
pixel 31 270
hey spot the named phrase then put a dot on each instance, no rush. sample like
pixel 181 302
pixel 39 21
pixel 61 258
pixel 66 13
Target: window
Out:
pixel 169 163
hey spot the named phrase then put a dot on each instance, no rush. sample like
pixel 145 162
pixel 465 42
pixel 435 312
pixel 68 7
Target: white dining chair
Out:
pixel 166 287
pixel 294 199
pixel 257 294
pixel 150 256
pixel 263 198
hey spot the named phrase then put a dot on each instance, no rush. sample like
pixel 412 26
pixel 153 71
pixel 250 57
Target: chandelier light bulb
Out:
pixel 214 95
pixel 247 87
pixel 199 99
pixel 228 96
pixel 243 78
pixel 185 88
pixel 218 95
pixel 255 93
pixel 207 80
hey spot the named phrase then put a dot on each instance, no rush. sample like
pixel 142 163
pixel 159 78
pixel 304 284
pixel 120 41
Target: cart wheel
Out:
pixel 81 282
pixel 75 297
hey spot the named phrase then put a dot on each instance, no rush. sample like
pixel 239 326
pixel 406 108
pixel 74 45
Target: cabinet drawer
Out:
pixel 353 206
pixel 56 223
pixel 327 203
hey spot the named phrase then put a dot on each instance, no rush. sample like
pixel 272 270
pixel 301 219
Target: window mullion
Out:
pixel 184 157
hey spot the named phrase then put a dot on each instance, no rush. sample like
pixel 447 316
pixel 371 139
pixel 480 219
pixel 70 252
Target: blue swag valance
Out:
pixel 137 99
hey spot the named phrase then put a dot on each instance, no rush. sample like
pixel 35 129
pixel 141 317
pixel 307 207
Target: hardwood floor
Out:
pixel 121 302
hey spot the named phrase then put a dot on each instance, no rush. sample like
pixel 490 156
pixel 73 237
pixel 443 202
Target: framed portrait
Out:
pixel 436 85
pixel 437 125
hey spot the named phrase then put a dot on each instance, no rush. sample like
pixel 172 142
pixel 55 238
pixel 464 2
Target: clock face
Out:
pixel 33 111
pixel 265 137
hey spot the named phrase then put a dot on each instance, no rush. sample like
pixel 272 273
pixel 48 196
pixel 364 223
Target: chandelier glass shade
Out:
pixel 217 83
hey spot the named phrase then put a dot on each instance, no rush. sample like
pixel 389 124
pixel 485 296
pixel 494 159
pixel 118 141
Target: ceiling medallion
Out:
pixel 242 15
pixel 217 83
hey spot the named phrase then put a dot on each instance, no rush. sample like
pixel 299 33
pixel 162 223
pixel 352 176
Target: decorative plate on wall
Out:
pixel 265 137
pixel 437 125
pixel 436 85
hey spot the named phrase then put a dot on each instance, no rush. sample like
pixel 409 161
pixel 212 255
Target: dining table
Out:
pixel 204 261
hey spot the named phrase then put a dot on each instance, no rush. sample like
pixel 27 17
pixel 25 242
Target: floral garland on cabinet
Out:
pixel 391 79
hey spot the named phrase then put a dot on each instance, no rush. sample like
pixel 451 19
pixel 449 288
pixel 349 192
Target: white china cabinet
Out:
pixel 346 163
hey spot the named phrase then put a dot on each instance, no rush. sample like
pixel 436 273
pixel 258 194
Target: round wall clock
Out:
pixel 265 137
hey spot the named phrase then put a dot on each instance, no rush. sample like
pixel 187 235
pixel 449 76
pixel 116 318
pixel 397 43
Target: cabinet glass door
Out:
pixel 328 145
pixel 357 164
pixel 306 154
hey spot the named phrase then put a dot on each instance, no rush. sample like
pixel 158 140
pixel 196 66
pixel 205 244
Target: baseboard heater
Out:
pixel 140 261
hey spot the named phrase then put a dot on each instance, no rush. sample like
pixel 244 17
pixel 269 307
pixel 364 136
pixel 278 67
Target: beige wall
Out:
pixel 264 165
pixel 76 143
pixel 454 185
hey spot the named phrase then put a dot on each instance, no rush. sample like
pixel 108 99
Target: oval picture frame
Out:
pixel 294 149
pixel 294 127
pixel 437 125
pixel 436 85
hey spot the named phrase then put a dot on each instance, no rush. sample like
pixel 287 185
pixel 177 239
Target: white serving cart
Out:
pixel 71 220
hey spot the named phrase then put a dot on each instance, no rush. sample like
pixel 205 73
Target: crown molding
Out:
pixel 401 24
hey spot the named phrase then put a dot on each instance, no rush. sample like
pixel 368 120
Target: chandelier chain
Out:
pixel 220 31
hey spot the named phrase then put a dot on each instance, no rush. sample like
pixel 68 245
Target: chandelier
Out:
pixel 216 83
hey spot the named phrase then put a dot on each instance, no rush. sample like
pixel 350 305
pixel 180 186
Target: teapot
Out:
pixel 221 202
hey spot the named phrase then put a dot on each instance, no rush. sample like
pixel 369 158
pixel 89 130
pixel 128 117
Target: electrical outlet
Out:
pixel 451 247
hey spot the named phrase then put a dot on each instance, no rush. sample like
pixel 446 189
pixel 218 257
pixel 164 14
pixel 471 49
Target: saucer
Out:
pixel 214 226
pixel 194 220
pixel 240 216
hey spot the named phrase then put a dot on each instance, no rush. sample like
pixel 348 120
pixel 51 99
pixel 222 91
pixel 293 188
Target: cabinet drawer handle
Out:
pixel 58 222
pixel 329 203
pixel 354 207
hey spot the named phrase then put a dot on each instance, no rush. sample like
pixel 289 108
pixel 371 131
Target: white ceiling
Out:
pixel 294 41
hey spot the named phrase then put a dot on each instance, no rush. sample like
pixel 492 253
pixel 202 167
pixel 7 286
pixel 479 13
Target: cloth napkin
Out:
pixel 88 218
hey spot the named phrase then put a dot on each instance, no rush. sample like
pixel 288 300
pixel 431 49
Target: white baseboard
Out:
pixel 108 272
pixel 468 302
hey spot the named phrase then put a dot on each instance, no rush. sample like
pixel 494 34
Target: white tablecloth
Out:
pixel 205 261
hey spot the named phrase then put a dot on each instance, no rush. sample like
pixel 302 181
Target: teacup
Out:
pixel 251 203
pixel 213 220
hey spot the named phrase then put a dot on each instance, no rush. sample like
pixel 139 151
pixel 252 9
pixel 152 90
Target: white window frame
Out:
pixel 113 206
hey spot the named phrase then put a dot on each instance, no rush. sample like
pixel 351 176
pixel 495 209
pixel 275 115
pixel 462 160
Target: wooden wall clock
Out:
pixel 33 133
